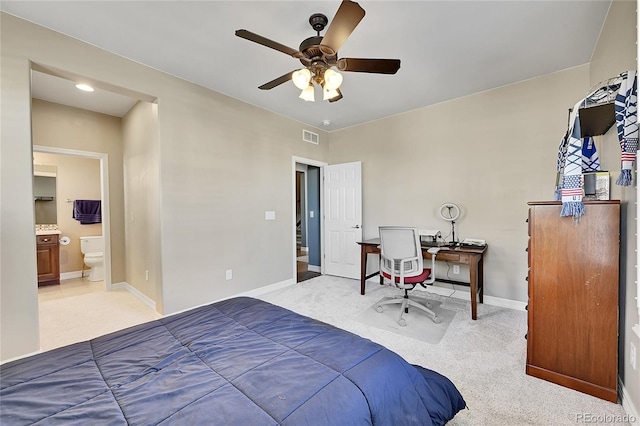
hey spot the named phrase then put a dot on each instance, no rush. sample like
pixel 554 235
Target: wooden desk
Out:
pixel 471 256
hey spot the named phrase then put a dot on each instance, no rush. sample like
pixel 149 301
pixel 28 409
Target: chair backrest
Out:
pixel 400 242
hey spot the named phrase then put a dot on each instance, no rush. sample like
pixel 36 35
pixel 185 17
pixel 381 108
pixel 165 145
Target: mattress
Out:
pixel 241 361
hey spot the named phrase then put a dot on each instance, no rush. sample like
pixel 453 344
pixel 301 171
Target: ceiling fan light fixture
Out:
pixel 332 79
pixel 329 94
pixel 308 94
pixel 301 78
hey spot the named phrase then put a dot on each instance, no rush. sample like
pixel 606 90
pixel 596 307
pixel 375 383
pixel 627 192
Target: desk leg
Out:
pixel 480 279
pixel 473 283
pixel 363 268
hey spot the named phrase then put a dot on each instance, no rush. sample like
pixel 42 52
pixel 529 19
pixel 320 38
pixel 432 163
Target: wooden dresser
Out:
pixel 48 257
pixel 572 337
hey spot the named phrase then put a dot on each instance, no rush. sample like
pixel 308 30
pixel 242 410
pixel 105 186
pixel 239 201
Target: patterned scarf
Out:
pixel 590 161
pixel 562 158
pixel 626 106
pixel 571 191
pixel 590 158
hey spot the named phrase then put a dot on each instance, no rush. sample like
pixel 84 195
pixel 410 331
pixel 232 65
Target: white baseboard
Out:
pixel 251 293
pixel 20 357
pixel 267 289
pixel 627 404
pixel 131 289
pixel 70 275
pixel 505 303
pixel 314 268
pixel 464 295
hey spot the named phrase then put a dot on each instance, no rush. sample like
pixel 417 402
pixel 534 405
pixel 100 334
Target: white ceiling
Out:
pixel 448 49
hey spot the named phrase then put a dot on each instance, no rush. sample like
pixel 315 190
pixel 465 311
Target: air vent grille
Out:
pixel 310 137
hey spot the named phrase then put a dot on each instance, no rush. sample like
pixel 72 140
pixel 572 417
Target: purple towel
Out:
pixel 87 211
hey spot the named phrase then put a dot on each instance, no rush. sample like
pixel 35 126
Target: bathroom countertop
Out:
pixel 48 232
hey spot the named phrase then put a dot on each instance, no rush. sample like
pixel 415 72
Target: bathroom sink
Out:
pixel 48 232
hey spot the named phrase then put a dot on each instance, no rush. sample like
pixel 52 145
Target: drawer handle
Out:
pixel 45 239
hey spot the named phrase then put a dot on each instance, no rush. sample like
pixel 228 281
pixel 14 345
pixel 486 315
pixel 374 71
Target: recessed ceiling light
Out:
pixel 84 87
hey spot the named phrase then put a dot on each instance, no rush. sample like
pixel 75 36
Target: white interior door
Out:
pixel 343 219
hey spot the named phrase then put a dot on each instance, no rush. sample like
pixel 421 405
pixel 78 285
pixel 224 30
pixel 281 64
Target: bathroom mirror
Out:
pixel 44 194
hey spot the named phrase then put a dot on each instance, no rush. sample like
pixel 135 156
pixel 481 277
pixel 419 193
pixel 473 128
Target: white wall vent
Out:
pixel 310 137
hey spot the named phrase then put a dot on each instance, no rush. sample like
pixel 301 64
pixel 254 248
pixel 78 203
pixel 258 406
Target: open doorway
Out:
pixel 84 174
pixel 307 219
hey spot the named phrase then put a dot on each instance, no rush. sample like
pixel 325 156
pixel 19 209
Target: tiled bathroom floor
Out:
pixel 79 309
pixel 68 288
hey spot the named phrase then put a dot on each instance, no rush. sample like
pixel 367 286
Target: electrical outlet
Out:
pixel 456 269
pixel 632 355
pixel 146 275
pixel 229 274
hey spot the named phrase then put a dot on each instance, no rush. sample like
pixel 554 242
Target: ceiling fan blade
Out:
pixel 378 66
pixel 347 18
pixel 248 35
pixel 277 82
pixel 337 98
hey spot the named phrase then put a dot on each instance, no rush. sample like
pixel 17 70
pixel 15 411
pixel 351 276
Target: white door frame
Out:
pixel 104 190
pixel 308 162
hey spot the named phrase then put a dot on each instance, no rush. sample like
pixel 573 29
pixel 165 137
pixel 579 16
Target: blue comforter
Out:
pixel 241 361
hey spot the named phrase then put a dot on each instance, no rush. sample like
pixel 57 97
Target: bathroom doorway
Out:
pixel 79 175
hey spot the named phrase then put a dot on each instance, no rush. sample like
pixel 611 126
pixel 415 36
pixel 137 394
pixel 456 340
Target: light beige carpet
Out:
pixel 418 326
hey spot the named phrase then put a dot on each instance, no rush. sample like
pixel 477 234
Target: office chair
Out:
pixel 401 262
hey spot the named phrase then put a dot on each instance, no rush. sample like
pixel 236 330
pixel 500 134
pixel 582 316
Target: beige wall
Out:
pixel 60 126
pixel 490 153
pixel 77 178
pixel 142 200
pixel 222 164
pixel 616 52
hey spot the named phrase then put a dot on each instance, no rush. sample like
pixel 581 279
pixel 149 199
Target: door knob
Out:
pixel 356 227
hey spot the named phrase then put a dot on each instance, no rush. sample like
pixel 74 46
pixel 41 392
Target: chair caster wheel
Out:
pixel 437 320
pixel 402 322
pixel 379 309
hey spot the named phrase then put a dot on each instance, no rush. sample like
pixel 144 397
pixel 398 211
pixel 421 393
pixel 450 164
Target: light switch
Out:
pixel 269 215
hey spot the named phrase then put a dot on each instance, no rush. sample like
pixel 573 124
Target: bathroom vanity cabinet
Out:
pixel 48 256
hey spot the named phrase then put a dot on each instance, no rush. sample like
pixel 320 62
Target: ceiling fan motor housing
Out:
pixel 318 21
pixel 310 48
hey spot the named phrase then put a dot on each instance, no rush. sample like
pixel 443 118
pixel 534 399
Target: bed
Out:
pixel 241 361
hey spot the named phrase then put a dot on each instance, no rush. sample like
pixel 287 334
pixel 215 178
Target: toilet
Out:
pixel 93 250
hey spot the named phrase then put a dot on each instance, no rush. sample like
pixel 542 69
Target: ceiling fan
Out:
pixel 319 54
